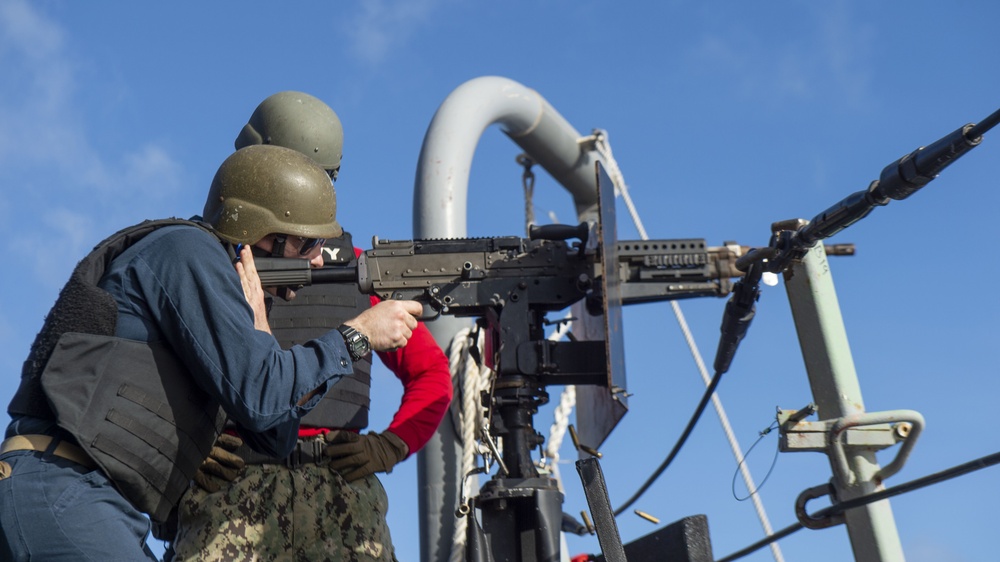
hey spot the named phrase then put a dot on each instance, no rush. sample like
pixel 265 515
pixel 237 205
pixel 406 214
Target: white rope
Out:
pixel 468 380
pixel 603 148
pixel 567 401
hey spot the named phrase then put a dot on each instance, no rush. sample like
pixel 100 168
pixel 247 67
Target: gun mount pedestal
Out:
pixel 515 402
pixel 522 518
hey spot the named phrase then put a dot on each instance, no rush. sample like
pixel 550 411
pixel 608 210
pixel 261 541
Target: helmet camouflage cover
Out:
pixel 266 189
pixel 298 121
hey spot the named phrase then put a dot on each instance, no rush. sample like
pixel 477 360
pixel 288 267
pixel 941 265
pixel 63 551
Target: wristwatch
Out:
pixel 357 343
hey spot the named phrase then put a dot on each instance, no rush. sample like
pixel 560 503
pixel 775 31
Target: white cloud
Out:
pixel 926 550
pixel 45 139
pixel 150 164
pixel 37 82
pixel 21 26
pixel 834 62
pixel 73 229
pixel 383 25
pixel 847 45
pixel 76 232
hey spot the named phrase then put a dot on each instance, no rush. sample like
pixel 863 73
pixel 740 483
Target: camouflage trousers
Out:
pixel 275 513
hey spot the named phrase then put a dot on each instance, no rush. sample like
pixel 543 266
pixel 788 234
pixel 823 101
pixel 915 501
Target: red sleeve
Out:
pixel 423 369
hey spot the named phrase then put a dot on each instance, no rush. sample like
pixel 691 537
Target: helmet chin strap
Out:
pixel 278 248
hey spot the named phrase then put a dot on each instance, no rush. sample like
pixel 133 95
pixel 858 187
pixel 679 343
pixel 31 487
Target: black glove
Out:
pixel 355 456
pixel 221 465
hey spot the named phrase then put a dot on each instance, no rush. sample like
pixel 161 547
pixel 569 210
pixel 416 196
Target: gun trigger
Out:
pixel 426 316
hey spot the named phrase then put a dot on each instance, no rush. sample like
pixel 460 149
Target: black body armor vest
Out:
pixel 130 405
pixel 316 310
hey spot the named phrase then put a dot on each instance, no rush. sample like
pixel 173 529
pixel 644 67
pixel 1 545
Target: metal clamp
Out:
pixel 905 424
pixel 872 431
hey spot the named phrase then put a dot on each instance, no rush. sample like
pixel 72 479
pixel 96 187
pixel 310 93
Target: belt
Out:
pixel 307 451
pixel 41 443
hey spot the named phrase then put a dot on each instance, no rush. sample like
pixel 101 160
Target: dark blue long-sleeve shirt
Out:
pixel 177 284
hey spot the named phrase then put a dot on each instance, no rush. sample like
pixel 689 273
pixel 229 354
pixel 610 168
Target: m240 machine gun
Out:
pixel 510 284
pixel 649 270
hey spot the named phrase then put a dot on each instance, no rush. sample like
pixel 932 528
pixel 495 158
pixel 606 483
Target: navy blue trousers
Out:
pixel 54 509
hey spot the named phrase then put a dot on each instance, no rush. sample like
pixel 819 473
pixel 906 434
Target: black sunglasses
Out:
pixel 309 243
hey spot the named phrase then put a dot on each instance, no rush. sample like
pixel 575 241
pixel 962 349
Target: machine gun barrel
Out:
pixel 293 272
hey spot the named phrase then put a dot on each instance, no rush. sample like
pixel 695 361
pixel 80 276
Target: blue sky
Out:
pixel 724 117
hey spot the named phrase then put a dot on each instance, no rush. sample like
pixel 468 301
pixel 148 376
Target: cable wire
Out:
pixel 985 125
pixel 841 507
pixel 677 446
pixel 753 492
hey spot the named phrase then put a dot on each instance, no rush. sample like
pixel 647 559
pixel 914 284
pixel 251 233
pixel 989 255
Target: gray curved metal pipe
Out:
pixel 442 183
pixel 439 211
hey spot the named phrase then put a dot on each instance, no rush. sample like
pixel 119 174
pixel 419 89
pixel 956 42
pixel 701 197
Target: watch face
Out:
pixel 357 344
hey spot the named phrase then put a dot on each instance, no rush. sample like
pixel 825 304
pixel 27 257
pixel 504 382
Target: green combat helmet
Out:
pixel 298 121
pixel 264 189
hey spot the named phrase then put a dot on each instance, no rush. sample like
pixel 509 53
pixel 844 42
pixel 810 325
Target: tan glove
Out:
pixel 222 465
pixel 356 456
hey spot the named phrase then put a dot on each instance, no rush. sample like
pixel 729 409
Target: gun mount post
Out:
pixel 837 394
